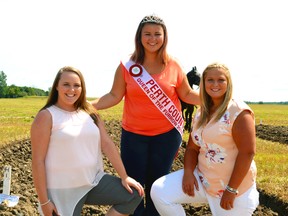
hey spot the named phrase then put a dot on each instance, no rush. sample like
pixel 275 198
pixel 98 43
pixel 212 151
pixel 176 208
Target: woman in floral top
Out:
pixel 218 165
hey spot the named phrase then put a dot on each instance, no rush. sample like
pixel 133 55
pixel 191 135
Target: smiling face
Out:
pixel 152 37
pixel 69 90
pixel 216 83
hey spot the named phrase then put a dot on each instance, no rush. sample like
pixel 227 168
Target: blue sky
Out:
pixel 39 37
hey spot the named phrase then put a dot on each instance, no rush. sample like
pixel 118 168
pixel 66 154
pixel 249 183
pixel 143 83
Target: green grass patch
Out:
pixel 271 114
pixel 16 116
pixel 112 113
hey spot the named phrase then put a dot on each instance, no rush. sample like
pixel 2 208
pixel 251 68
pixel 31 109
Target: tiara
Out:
pixel 152 19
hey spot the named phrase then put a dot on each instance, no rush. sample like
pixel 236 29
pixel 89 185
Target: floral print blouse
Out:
pixel 218 151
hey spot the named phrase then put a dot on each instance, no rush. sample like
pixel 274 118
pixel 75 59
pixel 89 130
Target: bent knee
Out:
pixel 137 198
pixel 129 206
pixel 157 190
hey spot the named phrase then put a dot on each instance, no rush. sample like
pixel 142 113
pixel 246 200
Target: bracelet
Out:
pixel 232 190
pixel 45 203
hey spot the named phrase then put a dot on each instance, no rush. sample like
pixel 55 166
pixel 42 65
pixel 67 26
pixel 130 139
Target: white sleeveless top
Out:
pixel 74 163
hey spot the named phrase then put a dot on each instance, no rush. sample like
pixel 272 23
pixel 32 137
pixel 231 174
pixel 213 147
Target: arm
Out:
pixel 112 153
pixel 187 94
pixel 190 163
pixel 244 135
pixel 116 93
pixel 40 137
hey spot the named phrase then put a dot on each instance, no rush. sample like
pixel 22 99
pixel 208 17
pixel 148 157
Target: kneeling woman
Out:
pixel 219 168
pixel 68 138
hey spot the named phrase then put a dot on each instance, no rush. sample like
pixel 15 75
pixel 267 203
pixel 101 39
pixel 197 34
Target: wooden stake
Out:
pixel 7 179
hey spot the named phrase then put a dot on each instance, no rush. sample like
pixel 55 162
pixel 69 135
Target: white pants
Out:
pixel 167 195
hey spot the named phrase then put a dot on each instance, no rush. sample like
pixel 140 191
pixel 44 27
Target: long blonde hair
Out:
pixel 206 101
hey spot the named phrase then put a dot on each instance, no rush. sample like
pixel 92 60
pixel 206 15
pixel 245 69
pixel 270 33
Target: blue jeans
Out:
pixel 146 158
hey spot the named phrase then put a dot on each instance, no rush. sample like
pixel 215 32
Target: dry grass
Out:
pixel 272 165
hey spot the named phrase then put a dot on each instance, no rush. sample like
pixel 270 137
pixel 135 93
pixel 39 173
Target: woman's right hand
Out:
pixel 188 183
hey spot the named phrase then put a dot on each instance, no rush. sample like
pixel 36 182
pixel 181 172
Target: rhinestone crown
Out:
pixel 152 19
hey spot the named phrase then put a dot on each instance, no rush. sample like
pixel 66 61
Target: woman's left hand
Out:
pixel 127 182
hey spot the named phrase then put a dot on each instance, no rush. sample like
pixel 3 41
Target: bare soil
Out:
pixel 18 155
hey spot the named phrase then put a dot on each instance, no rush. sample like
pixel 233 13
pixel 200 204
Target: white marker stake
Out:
pixel 7 179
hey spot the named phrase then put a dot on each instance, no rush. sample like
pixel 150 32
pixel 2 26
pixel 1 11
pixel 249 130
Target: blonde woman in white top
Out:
pixel 68 139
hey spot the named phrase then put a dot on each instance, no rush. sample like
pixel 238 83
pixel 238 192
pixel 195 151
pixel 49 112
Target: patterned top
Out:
pixel 73 162
pixel 218 152
pixel 140 115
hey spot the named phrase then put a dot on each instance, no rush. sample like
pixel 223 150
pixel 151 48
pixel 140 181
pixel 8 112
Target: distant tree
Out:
pixel 13 91
pixel 31 91
pixel 39 92
pixel 3 84
pixel 28 90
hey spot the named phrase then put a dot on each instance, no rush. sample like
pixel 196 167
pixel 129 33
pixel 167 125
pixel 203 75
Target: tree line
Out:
pixel 13 91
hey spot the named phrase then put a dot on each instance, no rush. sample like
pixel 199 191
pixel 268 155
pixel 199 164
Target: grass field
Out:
pixel 16 116
pixel 271 114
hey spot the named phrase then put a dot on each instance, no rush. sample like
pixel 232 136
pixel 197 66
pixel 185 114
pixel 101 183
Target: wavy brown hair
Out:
pixel 139 52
